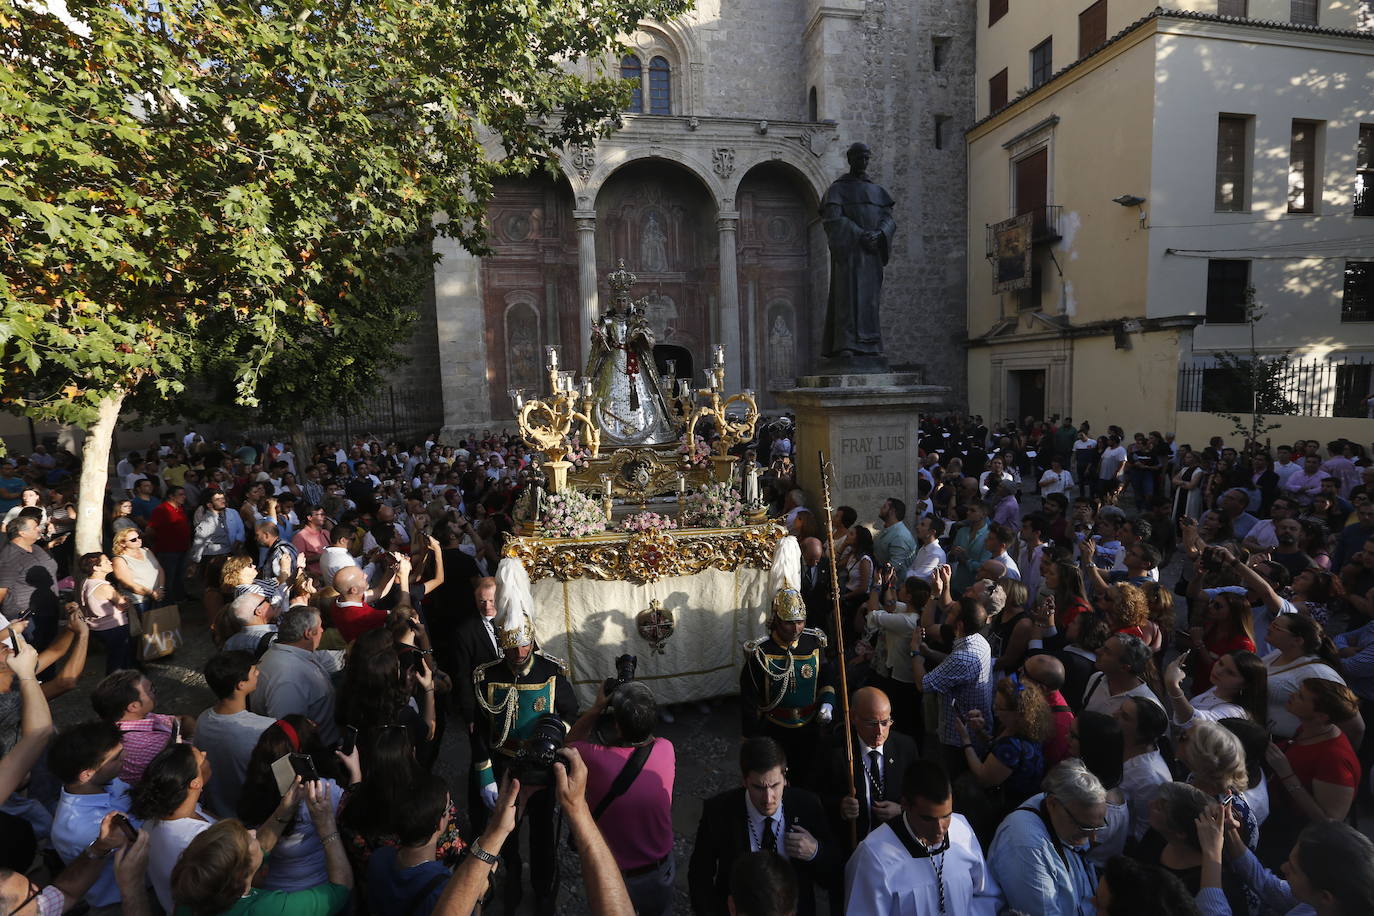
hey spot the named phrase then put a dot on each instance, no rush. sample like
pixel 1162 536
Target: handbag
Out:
pixel 161 633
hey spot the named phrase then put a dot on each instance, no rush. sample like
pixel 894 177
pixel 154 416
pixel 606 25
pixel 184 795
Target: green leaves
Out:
pixel 223 189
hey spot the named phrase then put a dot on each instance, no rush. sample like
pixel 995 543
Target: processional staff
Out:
pixel 839 634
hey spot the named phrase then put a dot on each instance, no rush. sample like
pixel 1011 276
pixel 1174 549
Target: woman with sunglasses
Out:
pixel 137 571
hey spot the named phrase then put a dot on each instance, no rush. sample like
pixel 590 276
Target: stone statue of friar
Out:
pixel 857 214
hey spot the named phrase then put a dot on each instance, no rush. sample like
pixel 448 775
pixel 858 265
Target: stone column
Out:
pixel 727 223
pixel 460 323
pixel 586 284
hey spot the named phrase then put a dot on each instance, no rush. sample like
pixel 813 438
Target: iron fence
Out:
pixel 1333 387
pixel 394 413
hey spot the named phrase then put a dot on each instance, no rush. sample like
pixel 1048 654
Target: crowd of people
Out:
pixel 1085 675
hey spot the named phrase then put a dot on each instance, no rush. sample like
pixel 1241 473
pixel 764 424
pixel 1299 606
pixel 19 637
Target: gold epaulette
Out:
pixel 753 644
pixel 821 639
pixel 479 673
pixel 562 665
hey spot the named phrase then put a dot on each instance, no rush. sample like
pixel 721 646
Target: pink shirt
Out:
pixel 144 739
pixel 311 544
pixel 643 816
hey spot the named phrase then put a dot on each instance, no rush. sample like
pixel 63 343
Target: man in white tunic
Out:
pixel 926 862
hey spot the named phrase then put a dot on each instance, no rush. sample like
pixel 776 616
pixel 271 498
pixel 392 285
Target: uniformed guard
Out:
pixel 786 687
pixel 514 694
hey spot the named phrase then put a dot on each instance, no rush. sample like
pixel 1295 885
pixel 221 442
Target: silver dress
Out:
pixel 630 407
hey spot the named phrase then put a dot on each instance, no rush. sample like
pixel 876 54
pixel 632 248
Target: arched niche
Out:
pixel 529 283
pixel 782 264
pixel 660 218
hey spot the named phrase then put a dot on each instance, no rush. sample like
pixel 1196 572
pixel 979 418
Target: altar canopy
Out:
pixel 682 601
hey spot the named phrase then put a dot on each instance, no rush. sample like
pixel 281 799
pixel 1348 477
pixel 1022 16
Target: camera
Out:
pixel 1211 559
pixel 533 763
pixel 625 667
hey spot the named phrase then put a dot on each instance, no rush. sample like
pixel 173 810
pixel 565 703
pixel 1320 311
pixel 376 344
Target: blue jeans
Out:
pixel 119 648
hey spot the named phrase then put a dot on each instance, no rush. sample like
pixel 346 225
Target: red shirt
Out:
pixel 1332 761
pixel 170 529
pixel 1066 615
pixel 353 620
pixel 1057 745
pixel 643 816
pixel 1218 645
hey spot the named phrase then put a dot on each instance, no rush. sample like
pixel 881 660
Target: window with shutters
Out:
pixel 1227 281
pixel 996 10
pixel 1232 8
pixel 1092 28
pixel 1233 163
pixel 1364 172
pixel 632 69
pixel 1303 180
pixel 1041 63
pixel 1357 300
pixel 660 90
pixel 1303 12
pixel 997 92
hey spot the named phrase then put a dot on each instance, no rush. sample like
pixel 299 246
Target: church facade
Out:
pixel 709 194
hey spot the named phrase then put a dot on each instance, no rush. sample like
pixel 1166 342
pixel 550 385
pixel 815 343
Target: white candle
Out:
pixel 720 354
pixel 751 486
pixel 552 354
pixel 586 388
pixel 684 388
pixel 681 483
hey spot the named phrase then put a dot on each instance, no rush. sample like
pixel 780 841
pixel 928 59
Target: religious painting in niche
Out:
pixel 661 313
pixel 653 246
pixel 523 353
pixel 782 345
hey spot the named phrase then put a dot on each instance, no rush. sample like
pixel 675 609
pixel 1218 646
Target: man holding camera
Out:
pixel 630 784
pixel 524 702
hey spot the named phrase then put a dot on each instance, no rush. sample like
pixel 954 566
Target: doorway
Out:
pixel 1026 394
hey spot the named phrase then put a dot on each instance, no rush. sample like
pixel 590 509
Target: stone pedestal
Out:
pixel 868 426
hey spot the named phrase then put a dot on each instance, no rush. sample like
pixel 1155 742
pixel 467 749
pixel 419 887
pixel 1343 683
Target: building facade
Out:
pixel 710 192
pixel 1167 161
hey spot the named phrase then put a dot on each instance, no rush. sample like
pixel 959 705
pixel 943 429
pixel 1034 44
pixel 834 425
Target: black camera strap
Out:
pixel 623 780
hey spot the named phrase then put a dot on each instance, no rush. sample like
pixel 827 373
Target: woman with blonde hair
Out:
pixel 1216 764
pixel 1014 760
pixel 136 570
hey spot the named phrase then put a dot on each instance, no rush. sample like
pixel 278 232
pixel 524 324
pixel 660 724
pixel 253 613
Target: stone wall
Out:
pixel 742 74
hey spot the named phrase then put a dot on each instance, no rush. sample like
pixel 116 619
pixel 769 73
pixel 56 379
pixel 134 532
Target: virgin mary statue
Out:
pixel 629 405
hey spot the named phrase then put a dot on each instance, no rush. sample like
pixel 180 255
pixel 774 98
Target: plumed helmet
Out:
pixel 514 623
pixel 784 579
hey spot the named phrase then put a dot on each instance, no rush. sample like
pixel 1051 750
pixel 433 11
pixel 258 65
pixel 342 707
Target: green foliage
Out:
pixel 215 186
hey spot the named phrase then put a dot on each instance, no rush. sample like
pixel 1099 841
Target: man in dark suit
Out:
pixel 474 644
pixel 764 813
pixel 815 587
pixel 881 756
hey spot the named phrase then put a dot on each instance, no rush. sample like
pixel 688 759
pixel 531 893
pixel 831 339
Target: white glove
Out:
pixel 826 713
pixel 489 796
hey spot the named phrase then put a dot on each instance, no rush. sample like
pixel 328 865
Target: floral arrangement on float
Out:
pixel 570 514
pixel 699 457
pixel 646 521
pixel 716 505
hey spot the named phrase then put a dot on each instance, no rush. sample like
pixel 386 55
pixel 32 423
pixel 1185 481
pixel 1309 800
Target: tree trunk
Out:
pixel 95 471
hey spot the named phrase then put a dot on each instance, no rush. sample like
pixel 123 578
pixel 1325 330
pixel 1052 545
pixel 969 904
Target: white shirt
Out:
pixel 1111 460
pixel 1263 533
pixel 928 559
pixel 166 842
pixel 1051 482
pixel 1141 777
pixel 1284 681
pixel 1028 561
pixel 334 559
pixel 882 878
pixel 1098 696
pixel 1005 559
